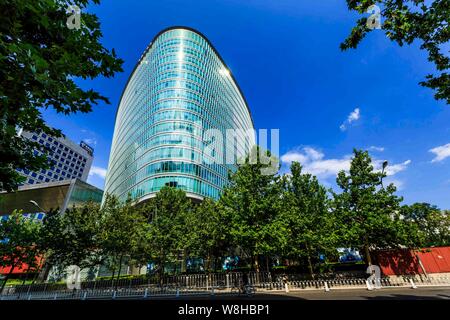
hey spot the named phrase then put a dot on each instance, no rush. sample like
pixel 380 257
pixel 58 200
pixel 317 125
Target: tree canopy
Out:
pixel 41 60
pixel 408 21
pixel 251 203
pixel 368 213
pixel 262 218
pixel 19 237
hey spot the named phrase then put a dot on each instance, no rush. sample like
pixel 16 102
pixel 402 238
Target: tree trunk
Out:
pixel 267 264
pixel 6 278
pixel 41 265
pixel 367 254
pixel 43 274
pixel 183 262
pixel 118 273
pixel 120 267
pixel 310 266
pixel 26 275
pixel 161 269
pixel 256 263
pixel 208 263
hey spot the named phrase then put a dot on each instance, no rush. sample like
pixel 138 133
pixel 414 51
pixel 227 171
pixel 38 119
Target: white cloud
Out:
pixel 315 163
pixel 352 117
pixel 375 148
pixel 441 152
pixel 101 172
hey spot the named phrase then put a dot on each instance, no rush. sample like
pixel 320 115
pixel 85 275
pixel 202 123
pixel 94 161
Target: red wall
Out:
pixel 436 261
pixel 404 261
pixel 19 269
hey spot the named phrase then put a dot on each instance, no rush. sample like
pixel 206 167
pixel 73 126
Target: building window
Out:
pixel 31 181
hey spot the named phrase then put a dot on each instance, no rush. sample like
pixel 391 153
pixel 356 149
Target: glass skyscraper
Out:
pixel 179 90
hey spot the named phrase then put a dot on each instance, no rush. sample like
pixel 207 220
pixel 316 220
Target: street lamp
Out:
pixel 36 204
pixel 385 164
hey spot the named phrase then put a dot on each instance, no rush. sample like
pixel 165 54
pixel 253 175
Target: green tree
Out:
pixel 207 232
pixel 367 214
pixel 18 243
pixel 74 237
pixel 40 59
pixel 428 225
pixel 167 232
pixel 252 203
pixel 123 229
pixel 309 220
pixel 407 21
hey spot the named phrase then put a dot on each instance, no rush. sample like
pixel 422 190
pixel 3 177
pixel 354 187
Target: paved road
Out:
pixel 426 293
pixel 435 293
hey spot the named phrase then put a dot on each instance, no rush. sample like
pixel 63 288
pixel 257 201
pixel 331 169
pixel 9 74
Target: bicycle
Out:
pixel 221 285
pixel 248 290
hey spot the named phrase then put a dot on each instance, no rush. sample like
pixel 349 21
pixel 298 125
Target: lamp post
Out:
pixel 385 164
pixel 41 263
pixel 36 204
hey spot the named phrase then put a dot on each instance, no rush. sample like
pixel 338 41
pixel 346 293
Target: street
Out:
pixel 430 293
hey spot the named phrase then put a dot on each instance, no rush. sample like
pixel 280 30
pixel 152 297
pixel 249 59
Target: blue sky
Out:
pixel 285 56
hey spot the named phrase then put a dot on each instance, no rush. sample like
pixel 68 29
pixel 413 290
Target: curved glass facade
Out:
pixel 179 89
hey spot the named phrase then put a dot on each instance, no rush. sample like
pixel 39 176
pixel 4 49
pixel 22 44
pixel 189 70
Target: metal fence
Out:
pixel 209 284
